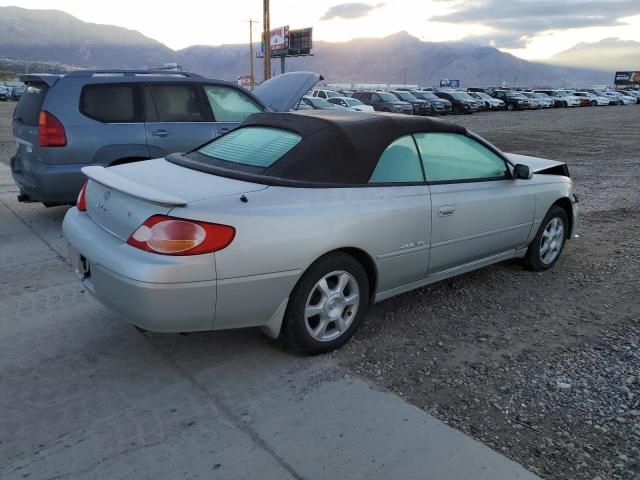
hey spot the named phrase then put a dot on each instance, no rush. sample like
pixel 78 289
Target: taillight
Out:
pixel 51 131
pixel 81 203
pixel 177 236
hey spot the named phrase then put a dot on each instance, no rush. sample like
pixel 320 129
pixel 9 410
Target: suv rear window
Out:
pixel 253 146
pixel 109 103
pixel 28 109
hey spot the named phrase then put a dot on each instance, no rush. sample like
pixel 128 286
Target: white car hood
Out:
pixel 534 163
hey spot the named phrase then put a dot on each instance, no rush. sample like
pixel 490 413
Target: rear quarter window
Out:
pixel 30 104
pixel 110 103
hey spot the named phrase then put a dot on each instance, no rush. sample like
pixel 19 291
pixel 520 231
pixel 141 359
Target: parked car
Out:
pixel 626 98
pixel 593 99
pixel 561 99
pixel 546 100
pixel 489 102
pixel 534 102
pixel 324 93
pixel 615 99
pixel 16 92
pixel 349 103
pixel 420 106
pixel 460 102
pixel 317 103
pixel 63 123
pixel 5 94
pixel 631 93
pixel 346 93
pixel 513 100
pixel 439 105
pixel 182 243
pixel 384 102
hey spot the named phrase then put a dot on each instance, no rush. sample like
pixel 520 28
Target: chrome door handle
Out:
pixel 224 130
pixel 160 133
pixel 446 211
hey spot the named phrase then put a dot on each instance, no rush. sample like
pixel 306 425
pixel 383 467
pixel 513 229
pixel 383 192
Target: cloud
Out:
pixel 350 11
pixel 515 22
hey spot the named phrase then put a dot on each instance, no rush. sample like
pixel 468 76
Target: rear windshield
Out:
pixel 253 146
pixel 28 109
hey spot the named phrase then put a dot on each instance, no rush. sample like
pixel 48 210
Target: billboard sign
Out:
pixel 279 39
pixel 450 83
pixel 627 78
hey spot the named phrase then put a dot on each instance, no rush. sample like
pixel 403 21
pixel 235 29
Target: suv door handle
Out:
pixel 160 133
pixel 446 211
pixel 224 130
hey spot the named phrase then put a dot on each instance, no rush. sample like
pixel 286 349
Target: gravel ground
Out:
pixel 544 368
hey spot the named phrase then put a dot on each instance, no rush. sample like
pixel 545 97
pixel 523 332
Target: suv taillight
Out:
pixel 81 203
pixel 178 236
pixel 51 131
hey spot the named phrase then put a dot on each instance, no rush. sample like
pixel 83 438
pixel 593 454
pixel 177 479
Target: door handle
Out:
pixel 446 211
pixel 224 130
pixel 160 133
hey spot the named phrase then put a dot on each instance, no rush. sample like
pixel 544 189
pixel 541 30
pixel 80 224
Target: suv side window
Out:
pixel 399 163
pixel 375 97
pixel 451 157
pixel 110 103
pixel 229 104
pixel 178 103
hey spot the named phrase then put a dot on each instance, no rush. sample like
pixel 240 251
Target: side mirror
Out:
pixel 522 172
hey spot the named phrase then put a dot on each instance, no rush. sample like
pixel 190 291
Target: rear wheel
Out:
pixel 327 304
pixel 510 107
pixel 544 251
pixel 594 103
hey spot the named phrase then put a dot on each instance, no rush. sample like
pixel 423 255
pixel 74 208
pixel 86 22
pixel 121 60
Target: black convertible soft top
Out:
pixel 337 147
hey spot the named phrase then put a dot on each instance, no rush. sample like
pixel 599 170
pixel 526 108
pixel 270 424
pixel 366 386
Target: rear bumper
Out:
pixel 164 293
pixel 155 292
pixel 50 184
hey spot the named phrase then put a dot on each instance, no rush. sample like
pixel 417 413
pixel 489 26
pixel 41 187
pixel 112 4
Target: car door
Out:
pixel 478 209
pixel 177 118
pixel 402 245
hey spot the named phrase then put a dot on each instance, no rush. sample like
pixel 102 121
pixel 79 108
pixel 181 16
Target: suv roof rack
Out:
pixel 129 73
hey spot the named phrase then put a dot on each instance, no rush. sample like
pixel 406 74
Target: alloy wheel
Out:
pixel 331 306
pixel 552 240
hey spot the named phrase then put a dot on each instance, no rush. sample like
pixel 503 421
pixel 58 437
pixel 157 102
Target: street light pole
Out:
pixel 266 36
pixel 251 82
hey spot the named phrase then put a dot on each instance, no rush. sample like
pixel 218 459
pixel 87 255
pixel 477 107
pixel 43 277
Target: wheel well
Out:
pixel 367 263
pixel 122 161
pixel 565 204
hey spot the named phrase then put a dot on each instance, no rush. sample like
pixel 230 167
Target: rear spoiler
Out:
pixel 113 180
pixel 40 77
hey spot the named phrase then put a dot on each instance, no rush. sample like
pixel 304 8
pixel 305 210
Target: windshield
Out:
pixel 318 102
pixel 331 93
pixel 460 95
pixel 484 96
pixel 387 97
pixel 515 95
pixel 405 96
pixel 353 102
pixel 253 146
pixel 563 94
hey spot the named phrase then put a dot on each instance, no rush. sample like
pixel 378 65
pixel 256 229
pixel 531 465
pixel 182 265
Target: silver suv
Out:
pixel 99 117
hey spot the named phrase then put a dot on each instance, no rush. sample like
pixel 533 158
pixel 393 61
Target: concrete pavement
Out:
pixel 83 395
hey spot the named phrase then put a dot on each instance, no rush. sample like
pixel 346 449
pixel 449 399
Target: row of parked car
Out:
pixel 11 92
pixel 441 101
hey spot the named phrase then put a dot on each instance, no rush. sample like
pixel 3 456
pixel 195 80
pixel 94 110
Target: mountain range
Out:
pixel 57 38
pixel 610 54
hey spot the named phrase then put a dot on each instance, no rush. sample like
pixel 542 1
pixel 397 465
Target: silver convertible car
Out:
pixel 298 222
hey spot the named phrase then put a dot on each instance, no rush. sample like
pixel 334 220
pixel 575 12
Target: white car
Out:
pixel 547 101
pixel 620 98
pixel 631 93
pixel 571 94
pixel 561 98
pixel 324 93
pixel 594 100
pixel 352 104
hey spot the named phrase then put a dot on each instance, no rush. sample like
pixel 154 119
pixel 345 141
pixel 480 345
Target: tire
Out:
pixel 456 110
pixel 564 104
pixel 550 237
pixel 510 107
pixel 337 319
pixel 594 103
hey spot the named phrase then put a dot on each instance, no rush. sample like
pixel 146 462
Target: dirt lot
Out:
pixel 544 368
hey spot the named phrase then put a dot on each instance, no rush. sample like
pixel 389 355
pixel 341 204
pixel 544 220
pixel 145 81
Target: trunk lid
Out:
pixel 121 198
pixel 282 93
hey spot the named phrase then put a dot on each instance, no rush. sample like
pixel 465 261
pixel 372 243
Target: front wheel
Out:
pixel 544 251
pixel 510 107
pixel 327 304
pixel 594 103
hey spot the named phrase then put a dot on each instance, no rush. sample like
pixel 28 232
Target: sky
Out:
pixel 531 29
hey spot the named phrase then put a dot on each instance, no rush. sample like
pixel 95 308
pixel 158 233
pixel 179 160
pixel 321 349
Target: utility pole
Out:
pixel 266 36
pixel 251 22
